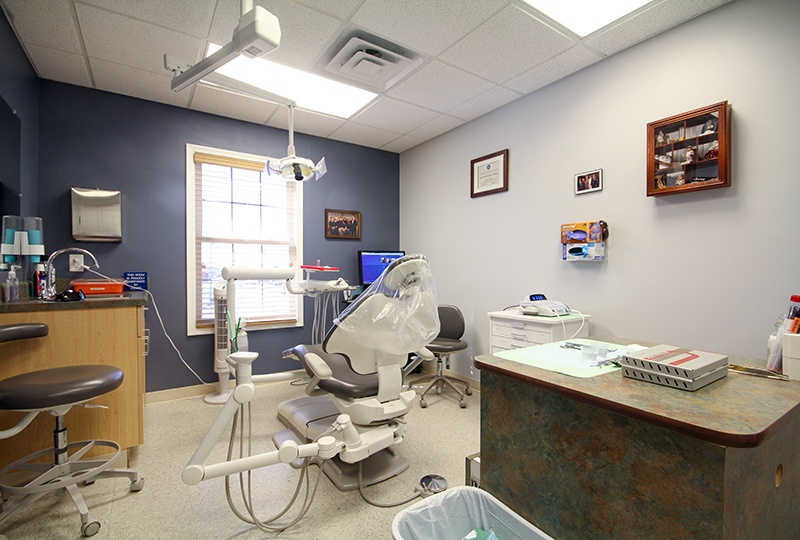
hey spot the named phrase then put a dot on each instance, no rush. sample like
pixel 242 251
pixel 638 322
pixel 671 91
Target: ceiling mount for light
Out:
pixel 258 33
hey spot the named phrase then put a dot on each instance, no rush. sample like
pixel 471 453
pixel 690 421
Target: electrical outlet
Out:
pixel 75 262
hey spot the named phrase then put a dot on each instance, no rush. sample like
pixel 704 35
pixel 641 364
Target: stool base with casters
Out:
pixel 439 380
pixel 56 391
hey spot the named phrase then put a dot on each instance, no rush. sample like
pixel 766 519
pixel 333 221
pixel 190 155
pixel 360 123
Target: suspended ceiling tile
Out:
pixel 424 26
pixel 304 31
pixel 650 22
pixel 554 69
pixel 136 83
pixel 482 104
pixel 363 135
pixel 337 8
pixel 44 22
pixel 191 17
pixel 122 40
pixel 394 115
pixel 232 105
pixel 308 122
pixel 402 143
pixel 509 43
pixel 439 87
pixel 61 66
pixel 436 127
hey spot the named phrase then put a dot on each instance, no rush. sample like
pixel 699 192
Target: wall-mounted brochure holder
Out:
pixel 584 241
pixel 96 215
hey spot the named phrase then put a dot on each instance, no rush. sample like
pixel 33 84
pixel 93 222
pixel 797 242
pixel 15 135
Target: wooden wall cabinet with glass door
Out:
pixel 689 151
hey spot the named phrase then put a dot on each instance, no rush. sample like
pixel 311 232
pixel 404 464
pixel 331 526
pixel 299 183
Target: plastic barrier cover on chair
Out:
pixel 398 313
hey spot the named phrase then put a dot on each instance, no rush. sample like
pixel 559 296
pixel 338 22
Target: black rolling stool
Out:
pixel 56 391
pixel 446 343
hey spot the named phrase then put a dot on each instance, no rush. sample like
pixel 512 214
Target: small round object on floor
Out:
pixel 462 404
pixel 433 483
pixel 90 529
pixel 468 391
pixel 137 485
pixel 423 403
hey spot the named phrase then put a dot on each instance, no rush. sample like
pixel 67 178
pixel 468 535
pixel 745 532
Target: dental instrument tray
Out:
pixel 675 367
pixel 98 286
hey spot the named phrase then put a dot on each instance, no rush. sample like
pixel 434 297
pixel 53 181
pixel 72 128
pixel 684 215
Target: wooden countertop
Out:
pixel 130 299
pixel 738 410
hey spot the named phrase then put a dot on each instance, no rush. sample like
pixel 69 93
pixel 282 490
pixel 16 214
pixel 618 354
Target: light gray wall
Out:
pixel 711 269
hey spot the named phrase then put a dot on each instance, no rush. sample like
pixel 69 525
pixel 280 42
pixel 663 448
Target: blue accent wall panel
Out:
pixel 19 86
pixel 94 139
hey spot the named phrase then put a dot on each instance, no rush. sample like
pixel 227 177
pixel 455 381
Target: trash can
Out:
pixel 452 514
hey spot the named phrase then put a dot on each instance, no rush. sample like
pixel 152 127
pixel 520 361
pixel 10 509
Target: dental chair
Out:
pixel 56 391
pixel 357 370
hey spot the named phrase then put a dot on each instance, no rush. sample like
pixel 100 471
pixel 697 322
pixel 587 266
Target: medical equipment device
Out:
pixel 538 304
pixel 368 343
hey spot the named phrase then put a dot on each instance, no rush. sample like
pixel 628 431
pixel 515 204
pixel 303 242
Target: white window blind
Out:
pixel 241 216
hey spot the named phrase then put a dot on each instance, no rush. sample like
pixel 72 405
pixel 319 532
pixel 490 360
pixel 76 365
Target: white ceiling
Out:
pixel 477 55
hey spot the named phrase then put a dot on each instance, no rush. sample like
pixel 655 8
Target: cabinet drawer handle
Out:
pixel 146 338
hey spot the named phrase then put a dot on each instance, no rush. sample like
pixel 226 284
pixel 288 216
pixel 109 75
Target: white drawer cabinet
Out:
pixel 513 330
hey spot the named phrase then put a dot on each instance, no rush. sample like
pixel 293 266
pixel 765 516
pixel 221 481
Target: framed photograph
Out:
pixel 589 181
pixel 489 174
pixel 342 224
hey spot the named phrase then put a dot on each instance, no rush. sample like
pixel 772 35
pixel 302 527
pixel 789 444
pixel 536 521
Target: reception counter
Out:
pixel 107 330
pixel 612 457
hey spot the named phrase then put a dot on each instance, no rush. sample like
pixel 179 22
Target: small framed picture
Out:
pixel 589 181
pixel 342 224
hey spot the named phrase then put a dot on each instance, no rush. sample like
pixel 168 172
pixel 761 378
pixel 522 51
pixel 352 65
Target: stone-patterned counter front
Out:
pixel 611 457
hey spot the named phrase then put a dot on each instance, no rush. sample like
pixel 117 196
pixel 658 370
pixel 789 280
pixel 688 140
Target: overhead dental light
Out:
pixel 291 167
pixel 258 33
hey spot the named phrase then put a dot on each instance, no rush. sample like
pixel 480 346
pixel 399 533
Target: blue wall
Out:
pixel 88 138
pixel 19 86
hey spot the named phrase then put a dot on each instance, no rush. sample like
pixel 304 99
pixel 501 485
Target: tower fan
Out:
pixel 220 345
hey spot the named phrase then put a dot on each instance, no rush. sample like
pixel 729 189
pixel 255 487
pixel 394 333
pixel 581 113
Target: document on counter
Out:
pixel 581 357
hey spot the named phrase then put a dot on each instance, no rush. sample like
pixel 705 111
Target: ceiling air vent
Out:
pixel 370 62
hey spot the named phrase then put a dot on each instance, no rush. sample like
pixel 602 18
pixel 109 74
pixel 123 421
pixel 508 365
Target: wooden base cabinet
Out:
pixel 114 336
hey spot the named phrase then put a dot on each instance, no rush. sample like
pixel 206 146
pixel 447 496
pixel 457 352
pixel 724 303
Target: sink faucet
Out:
pixel 50 282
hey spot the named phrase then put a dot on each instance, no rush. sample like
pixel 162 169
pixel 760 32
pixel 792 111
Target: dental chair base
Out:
pixel 309 417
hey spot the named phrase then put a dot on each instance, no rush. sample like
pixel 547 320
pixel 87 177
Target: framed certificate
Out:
pixel 489 174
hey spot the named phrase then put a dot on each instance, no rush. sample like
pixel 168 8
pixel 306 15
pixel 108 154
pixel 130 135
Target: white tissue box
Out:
pixel 791 355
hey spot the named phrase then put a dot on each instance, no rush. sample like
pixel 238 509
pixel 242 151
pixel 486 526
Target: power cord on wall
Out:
pixel 158 315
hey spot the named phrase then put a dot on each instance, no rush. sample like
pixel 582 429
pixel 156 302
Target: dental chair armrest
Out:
pixel 321 371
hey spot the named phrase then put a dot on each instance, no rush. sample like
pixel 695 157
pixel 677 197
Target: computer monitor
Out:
pixel 371 264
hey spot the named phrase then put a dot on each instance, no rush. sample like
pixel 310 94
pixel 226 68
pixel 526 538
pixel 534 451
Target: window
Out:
pixel 238 215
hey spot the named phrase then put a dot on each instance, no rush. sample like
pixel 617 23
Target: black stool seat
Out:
pixel 446 345
pixel 58 386
pixel 11 332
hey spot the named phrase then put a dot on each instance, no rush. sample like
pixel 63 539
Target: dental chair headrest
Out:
pixel 404 271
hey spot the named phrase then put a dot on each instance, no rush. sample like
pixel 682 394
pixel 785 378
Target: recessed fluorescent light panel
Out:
pixel 585 16
pixel 310 92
